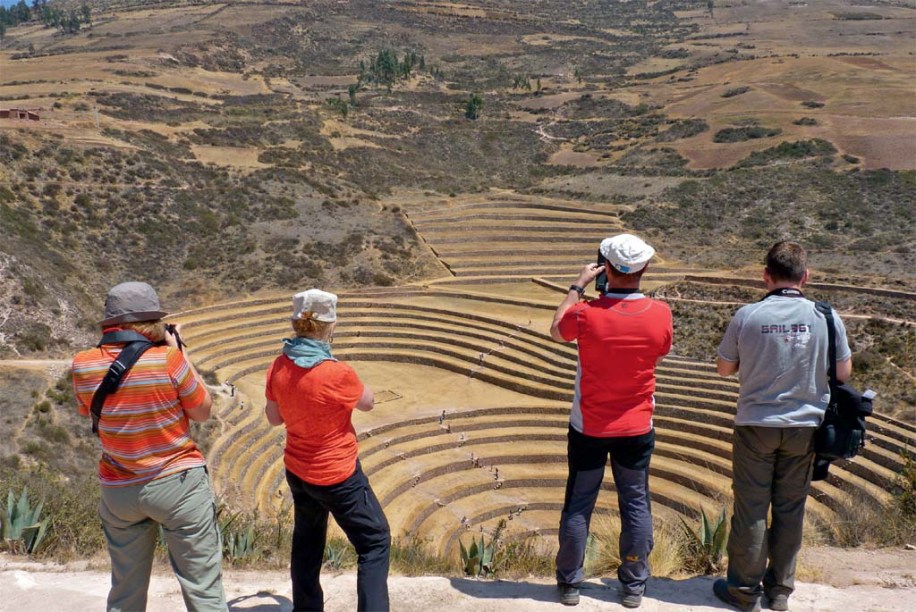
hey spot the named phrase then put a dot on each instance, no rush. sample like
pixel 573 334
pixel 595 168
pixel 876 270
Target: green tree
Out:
pixel 22 12
pixel 473 106
pixel 87 13
pixel 351 92
pixel 73 23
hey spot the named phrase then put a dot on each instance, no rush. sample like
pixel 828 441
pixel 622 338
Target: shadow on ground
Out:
pixel 271 603
pixel 691 592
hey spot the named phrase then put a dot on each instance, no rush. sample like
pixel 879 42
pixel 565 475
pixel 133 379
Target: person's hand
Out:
pixel 170 338
pixel 589 273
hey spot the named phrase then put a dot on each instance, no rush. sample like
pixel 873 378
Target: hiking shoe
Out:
pixel 569 594
pixel 720 589
pixel 778 602
pixel 631 600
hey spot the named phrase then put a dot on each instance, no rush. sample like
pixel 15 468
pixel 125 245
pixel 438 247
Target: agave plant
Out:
pixel 20 524
pixel 706 546
pixel 477 559
pixel 239 543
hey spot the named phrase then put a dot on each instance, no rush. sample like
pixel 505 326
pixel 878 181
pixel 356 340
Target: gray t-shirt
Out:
pixel 781 346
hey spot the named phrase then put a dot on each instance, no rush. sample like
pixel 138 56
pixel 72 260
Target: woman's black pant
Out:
pixel 359 514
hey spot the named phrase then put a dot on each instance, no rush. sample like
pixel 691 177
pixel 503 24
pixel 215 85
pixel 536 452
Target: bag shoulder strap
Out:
pixel 827 310
pixel 137 344
pixel 122 335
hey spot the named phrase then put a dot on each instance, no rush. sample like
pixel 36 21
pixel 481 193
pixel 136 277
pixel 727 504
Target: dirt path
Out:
pixel 866 581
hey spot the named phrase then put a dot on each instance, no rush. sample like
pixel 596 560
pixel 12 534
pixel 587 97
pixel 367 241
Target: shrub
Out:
pixel 478 559
pixel 683 128
pixel 706 546
pixel 602 551
pixel 410 556
pixel 736 91
pixel 242 542
pixel 905 495
pixel 339 554
pixel 472 106
pixel 741 134
pixel 805 121
pixel 812 104
pixel 784 151
pixel 21 524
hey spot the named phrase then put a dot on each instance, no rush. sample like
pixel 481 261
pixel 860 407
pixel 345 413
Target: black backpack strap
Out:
pixel 125 361
pixel 827 310
pixel 122 335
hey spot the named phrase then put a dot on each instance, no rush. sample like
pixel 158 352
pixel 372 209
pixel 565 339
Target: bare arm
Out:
pixel 367 400
pixel 726 368
pixel 201 412
pixel 843 370
pixel 587 275
pixel 272 412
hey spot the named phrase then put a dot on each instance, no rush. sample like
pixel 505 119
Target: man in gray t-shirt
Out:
pixel 779 348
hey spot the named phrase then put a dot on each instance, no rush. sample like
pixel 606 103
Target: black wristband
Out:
pixel 577 289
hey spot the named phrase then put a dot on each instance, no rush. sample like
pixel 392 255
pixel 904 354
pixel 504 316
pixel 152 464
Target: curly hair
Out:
pixel 310 328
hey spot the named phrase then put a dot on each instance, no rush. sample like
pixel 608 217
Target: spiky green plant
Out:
pixel 477 559
pixel 335 554
pixel 706 546
pixel 241 542
pixel 22 527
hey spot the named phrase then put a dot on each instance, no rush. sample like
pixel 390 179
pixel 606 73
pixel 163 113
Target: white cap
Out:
pixel 626 253
pixel 315 304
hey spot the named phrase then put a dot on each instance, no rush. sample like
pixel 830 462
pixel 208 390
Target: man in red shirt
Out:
pixel 621 337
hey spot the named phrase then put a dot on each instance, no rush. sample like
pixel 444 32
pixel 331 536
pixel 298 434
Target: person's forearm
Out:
pixel 586 276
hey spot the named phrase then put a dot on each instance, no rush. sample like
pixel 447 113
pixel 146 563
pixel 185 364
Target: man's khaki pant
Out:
pixel 182 504
pixel 771 468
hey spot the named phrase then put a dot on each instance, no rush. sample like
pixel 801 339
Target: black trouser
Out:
pixel 630 458
pixel 359 514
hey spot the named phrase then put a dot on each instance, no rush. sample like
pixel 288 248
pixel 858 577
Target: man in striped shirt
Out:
pixel 151 472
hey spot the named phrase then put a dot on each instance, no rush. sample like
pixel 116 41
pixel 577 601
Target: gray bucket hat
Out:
pixel 130 302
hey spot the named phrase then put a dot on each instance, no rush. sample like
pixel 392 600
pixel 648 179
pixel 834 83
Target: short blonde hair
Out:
pixel 311 328
pixel 154 330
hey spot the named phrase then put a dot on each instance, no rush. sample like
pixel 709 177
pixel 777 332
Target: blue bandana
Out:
pixel 307 353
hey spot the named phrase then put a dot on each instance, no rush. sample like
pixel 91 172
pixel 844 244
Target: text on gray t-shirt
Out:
pixel 781 346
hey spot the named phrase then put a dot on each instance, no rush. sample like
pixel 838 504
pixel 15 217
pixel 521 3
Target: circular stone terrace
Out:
pixel 472 395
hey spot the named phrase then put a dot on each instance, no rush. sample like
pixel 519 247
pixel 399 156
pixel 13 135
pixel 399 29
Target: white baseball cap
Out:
pixel 626 253
pixel 315 304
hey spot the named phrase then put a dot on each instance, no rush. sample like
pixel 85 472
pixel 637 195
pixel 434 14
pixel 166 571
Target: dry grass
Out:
pixel 602 557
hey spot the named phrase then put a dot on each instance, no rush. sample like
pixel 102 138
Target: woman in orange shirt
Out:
pixel 314 395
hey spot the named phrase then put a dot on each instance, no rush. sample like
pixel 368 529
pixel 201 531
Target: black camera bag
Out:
pixel 841 434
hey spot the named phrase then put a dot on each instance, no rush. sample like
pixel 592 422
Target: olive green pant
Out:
pixel 771 471
pixel 182 504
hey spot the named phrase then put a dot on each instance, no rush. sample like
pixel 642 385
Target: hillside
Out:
pixel 216 145
pixel 447 168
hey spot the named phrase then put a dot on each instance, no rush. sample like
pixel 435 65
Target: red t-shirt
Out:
pixel 620 338
pixel 316 404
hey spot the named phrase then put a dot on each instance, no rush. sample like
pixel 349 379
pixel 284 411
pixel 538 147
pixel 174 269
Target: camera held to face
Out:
pixel 172 330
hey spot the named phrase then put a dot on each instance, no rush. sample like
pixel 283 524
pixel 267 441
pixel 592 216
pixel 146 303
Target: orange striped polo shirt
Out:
pixel 144 431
